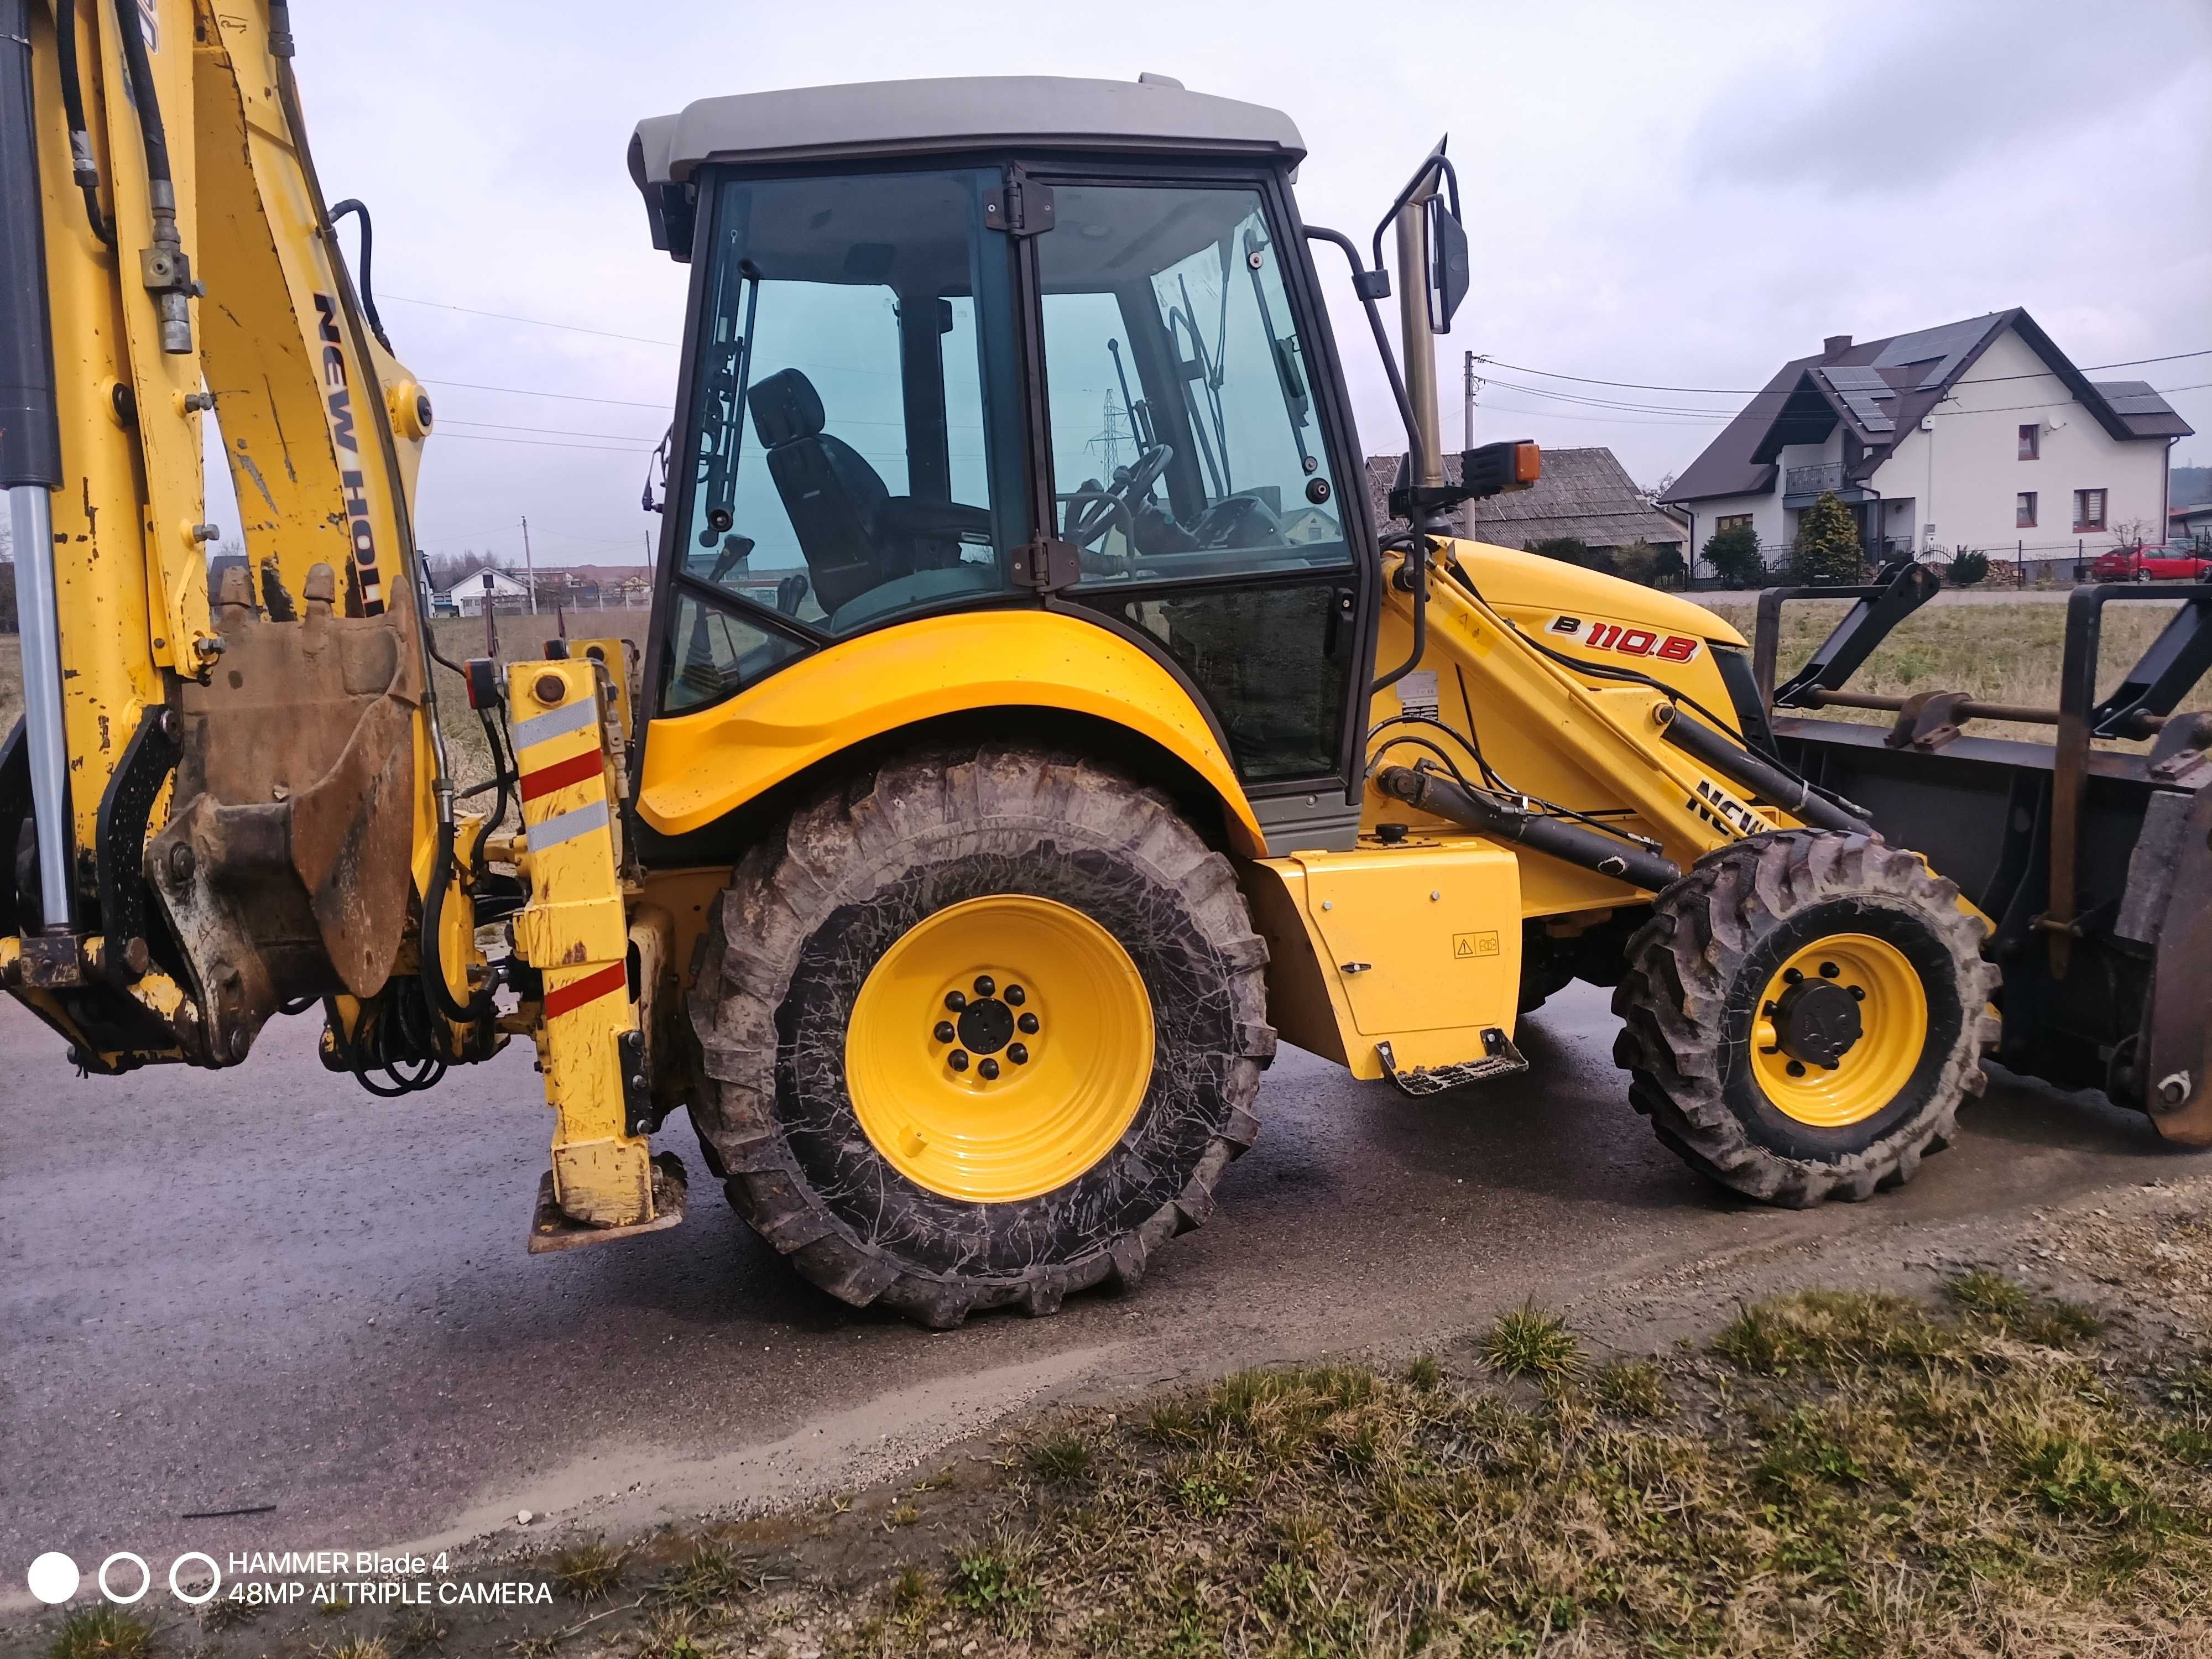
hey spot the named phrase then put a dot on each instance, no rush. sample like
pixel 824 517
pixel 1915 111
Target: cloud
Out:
pixel 1859 110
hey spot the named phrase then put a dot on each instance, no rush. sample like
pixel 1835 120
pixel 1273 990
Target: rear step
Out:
pixel 1499 1059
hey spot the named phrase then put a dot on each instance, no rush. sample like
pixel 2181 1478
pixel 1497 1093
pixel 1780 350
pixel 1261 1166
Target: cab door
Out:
pixel 1203 465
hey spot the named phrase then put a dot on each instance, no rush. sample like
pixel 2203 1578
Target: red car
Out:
pixel 2173 561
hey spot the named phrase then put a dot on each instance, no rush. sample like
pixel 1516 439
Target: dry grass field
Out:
pixel 1996 653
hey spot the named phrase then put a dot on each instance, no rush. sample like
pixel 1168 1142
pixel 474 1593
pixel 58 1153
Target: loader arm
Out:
pixel 208 813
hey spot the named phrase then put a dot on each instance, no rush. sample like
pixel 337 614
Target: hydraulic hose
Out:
pixel 82 167
pixel 1793 794
pixel 359 209
pixel 1570 843
pixel 174 300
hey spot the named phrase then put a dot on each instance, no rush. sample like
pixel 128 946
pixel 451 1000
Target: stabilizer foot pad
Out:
pixel 551 1230
pixel 1499 1059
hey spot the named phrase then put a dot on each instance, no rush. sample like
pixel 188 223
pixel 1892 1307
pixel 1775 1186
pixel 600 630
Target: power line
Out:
pixel 535 443
pixel 557 431
pixel 1717 415
pixel 1755 392
pixel 535 322
pixel 527 391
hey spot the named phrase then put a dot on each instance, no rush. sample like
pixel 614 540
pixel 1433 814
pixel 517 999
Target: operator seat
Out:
pixel 833 496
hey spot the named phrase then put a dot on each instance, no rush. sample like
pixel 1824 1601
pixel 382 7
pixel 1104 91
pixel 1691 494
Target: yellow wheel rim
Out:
pixel 1799 1011
pixel 1000 1049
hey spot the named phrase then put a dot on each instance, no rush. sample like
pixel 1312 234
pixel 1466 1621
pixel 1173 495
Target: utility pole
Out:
pixel 1467 375
pixel 648 549
pixel 529 568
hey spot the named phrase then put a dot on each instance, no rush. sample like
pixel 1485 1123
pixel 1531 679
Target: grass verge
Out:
pixel 1844 1473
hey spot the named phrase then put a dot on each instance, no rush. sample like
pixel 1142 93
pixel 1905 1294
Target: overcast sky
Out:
pixel 1682 194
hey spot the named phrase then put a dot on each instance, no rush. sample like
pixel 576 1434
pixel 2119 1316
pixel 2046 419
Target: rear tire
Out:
pixel 846 885
pixel 1697 992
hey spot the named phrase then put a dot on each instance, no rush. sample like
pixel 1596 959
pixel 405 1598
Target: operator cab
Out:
pixel 966 343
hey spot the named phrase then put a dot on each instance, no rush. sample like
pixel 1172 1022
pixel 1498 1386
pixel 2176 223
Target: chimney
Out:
pixel 1835 346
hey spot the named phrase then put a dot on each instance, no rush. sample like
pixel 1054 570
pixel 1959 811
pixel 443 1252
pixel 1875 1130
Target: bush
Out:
pixel 1734 557
pixel 1828 550
pixel 1569 550
pixel 1638 561
pixel 1966 567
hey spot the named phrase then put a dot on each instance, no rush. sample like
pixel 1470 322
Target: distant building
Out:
pixel 1979 434
pixel 596 586
pixel 1584 495
pixel 467 597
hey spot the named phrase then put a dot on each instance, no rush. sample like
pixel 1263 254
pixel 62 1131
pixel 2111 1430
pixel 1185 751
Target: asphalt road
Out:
pixel 266 1288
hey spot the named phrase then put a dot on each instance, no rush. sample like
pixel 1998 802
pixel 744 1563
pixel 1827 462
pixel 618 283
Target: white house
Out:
pixel 1980 434
pixel 466 598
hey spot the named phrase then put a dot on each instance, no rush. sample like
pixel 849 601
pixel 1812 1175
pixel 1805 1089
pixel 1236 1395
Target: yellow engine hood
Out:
pixel 1513 581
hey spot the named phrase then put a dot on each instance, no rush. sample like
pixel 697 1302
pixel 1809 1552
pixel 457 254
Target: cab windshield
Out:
pixel 842 464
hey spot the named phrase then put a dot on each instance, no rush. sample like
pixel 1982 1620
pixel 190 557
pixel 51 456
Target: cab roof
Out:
pixel 1031 111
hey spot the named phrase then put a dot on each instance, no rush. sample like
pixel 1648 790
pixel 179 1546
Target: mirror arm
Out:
pixel 1435 160
pixel 1371 286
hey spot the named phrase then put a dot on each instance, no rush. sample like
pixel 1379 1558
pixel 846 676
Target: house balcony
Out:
pixel 1803 485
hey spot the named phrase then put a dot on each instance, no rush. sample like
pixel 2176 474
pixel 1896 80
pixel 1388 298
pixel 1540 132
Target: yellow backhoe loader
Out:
pixel 1038 720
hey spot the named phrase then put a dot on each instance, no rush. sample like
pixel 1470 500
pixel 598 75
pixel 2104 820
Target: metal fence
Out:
pixel 2015 565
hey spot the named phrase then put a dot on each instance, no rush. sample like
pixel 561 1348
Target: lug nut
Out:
pixel 1016 995
pixel 954 1000
pixel 1028 1024
pixel 988 1071
pixel 1796 1068
pixel 1791 976
pixel 1829 970
pixel 985 985
pixel 958 1060
pixel 944 1033
pixel 1018 1052
pixel 1859 992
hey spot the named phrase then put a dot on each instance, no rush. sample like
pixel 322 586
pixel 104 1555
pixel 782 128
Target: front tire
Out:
pixel 1803 1013
pixel 1094 964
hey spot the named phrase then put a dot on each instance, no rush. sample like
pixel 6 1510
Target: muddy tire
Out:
pixel 1742 1049
pixel 854 879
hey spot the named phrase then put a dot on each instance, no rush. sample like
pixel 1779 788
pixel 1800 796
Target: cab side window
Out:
pixel 1184 440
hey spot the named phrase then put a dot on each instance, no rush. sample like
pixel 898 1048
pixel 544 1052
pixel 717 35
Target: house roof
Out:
pixel 1584 493
pixel 1879 390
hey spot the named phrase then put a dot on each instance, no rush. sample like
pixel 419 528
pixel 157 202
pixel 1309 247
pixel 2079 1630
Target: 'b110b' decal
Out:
pixel 1627 641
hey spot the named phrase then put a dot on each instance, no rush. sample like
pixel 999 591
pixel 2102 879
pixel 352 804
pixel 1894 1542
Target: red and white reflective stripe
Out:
pixel 577 768
pixel 549 833
pixel 556 723
pixel 567 998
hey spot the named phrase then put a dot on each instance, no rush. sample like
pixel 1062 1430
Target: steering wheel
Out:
pixel 1092 510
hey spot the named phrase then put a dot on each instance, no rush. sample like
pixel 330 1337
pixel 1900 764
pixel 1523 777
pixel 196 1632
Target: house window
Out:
pixel 2031 442
pixel 2089 510
pixel 2023 510
pixel 1733 522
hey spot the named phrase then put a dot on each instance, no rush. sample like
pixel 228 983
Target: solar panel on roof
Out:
pixel 1856 377
pixel 1858 387
pixel 1944 346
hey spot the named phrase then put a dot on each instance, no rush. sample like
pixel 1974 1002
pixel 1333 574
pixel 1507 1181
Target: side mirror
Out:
pixel 1448 262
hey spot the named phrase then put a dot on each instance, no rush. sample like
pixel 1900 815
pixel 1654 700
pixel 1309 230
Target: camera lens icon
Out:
pixel 53 1578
